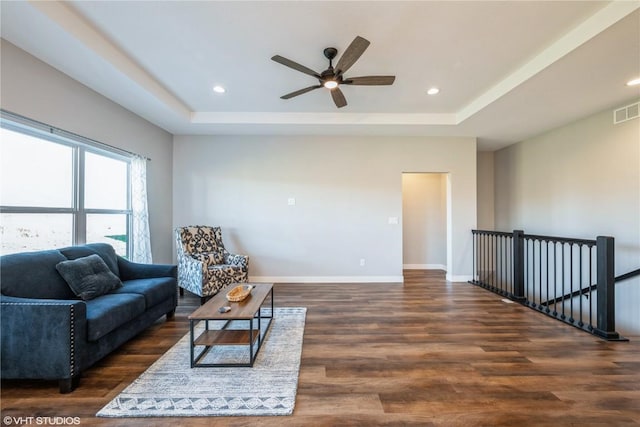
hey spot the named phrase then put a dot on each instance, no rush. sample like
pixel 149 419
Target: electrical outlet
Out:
pixel 362 262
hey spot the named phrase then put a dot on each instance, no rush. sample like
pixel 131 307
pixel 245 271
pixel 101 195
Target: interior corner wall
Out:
pixel 424 221
pixel 35 90
pixel 486 215
pixel 345 190
pixel 581 180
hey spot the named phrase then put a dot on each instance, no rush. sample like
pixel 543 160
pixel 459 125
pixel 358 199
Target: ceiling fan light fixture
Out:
pixel 433 91
pixel 330 84
pixel 634 82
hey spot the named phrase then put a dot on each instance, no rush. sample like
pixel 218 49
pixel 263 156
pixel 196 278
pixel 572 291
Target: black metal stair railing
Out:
pixel 493 261
pixel 586 291
pixel 628 275
pixel 552 275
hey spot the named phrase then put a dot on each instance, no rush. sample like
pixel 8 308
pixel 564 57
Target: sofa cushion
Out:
pixel 154 290
pixel 33 275
pixel 88 277
pixel 108 312
pixel 106 252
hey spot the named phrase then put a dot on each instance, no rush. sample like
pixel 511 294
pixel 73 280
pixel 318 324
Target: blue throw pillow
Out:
pixel 88 277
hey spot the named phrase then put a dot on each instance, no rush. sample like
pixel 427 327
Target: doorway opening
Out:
pixel 425 224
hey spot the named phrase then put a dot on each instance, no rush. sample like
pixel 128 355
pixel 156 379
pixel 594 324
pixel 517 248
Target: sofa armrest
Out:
pixel 133 270
pixel 42 338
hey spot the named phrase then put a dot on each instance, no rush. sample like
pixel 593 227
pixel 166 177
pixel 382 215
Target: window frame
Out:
pixel 80 147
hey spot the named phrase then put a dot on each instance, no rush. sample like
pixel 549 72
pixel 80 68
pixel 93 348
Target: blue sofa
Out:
pixel 48 332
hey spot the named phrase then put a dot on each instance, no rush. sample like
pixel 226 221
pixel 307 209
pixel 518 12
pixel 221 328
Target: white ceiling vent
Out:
pixel 626 113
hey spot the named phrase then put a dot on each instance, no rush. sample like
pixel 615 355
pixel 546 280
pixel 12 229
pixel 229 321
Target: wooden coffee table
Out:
pixel 250 310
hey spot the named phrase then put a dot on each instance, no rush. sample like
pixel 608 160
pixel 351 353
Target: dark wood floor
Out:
pixel 428 352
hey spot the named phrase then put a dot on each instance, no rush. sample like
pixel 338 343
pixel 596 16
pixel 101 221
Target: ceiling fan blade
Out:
pixel 338 97
pixel 351 54
pixel 300 92
pixel 298 67
pixel 370 80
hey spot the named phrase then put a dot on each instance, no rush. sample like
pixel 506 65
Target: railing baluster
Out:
pixel 590 282
pixel 484 259
pixel 539 283
pixel 498 264
pixel 555 279
pixel 580 322
pixel 494 260
pixel 481 266
pixel 539 273
pixel 563 316
pixel 571 319
pixel 510 263
pixel 473 255
pixel 546 297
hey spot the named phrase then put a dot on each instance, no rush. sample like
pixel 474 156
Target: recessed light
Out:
pixel 634 82
pixel 433 91
pixel 219 89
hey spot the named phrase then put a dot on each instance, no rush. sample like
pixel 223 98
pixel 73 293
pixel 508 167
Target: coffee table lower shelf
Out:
pixel 225 337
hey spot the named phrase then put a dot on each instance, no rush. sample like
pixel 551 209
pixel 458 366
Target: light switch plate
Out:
pixel 393 220
pixel 291 201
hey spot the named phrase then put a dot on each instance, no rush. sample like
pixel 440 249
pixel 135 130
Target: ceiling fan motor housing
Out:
pixel 329 74
pixel 330 53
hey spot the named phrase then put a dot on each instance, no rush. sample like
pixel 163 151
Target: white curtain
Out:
pixel 141 235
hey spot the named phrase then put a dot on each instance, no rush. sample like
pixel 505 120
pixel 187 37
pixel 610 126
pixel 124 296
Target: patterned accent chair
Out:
pixel 204 265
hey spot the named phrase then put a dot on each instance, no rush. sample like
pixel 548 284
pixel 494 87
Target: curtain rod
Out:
pixel 65 133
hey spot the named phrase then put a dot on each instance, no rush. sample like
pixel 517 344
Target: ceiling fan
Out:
pixel 332 78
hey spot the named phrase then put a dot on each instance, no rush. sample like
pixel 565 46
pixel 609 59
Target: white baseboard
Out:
pixel 424 267
pixel 460 278
pixel 327 279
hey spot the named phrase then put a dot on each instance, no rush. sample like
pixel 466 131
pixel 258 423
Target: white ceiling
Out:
pixel 506 70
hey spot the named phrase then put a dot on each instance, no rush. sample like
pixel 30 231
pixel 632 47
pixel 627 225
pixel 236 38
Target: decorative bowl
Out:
pixel 239 293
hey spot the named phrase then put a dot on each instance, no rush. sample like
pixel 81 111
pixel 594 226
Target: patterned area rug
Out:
pixel 170 388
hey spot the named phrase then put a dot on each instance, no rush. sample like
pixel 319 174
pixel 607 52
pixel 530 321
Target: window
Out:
pixel 57 190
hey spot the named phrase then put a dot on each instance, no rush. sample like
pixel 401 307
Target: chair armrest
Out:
pixel 133 270
pixel 236 259
pixel 42 338
pixel 190 273
pixel 206 258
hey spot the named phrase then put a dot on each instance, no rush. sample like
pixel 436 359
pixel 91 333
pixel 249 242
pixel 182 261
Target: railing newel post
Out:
pixel 518 265
pixel 605 275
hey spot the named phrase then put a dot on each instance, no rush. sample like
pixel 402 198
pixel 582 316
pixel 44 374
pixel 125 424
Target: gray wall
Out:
pixel 424 221
pixel 581 180
pixel 486 214
pixel 346 190
pixel 35 90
